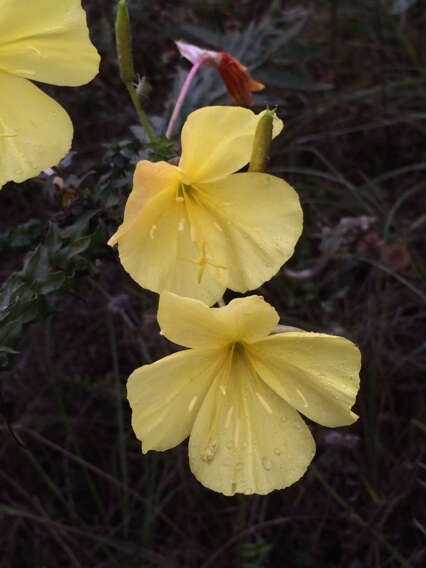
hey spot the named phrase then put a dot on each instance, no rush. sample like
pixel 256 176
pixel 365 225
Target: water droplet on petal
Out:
pixel 277 451
pixel 152 231
pixel 209 452
pixel 267 464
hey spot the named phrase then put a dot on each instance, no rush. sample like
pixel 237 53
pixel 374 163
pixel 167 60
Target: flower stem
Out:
pixel 142 116
pixel 182 95
pixel 123 37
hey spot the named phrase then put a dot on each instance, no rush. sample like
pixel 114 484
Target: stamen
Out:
pixel 237 432
pixel 32 48
pixel 223 390
pixel 305 402
pixel 24 71
pixel 264 403
pixel 192 403
pixel 228 417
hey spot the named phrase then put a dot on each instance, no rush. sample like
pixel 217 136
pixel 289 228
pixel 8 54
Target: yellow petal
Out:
pixel 217 141
pixel 192 324
pixel 165 396
pixel 154 242
pixel 150 179
pixel 245 438
pixel 250 223
pixel 47 40
pixel 316 373
pixel 35 132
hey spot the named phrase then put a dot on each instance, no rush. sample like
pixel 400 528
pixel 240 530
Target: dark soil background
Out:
pixel 349 81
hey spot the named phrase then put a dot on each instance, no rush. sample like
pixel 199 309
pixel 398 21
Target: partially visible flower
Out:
pixel 198 228
pixel 46 41
pixel 235 75
pixel 238 391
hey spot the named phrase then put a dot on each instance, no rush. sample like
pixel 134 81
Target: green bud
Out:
pixel 262 142
pixel 123 38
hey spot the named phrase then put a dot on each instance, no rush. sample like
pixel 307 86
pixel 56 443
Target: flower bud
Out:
pixel 262 142
pixel 123 39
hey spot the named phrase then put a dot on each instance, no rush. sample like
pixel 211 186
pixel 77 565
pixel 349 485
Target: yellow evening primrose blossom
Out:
pixel 46 41
pixel 238 391
pixel 199 228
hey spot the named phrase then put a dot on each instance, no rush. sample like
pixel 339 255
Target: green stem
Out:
pixel 342 502
pixel 120 421
pixel 142 116
pixel 123 37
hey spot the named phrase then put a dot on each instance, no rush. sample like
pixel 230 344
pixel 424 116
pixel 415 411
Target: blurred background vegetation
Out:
pixel 349 81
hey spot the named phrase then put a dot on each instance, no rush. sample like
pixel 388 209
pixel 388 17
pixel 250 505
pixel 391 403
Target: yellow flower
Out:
pixel 46 41
pixel 237 392
pixel 199 228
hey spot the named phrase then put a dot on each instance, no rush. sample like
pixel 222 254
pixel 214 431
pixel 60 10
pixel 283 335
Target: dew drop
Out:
pixel 277 451
pixel 209 452
pixel 267 464
pixel 152 231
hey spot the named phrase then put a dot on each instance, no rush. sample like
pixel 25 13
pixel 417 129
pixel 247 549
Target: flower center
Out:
pixel 187 197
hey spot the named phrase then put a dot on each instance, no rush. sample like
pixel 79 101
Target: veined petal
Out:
pixel 217 141
pixel 165 396
pixel 47 40
pixel 246 439
pixel 35 131
pixel 250 223
pixel 150 179
pixel 191 323
pixel 157 250
pixel 316 373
